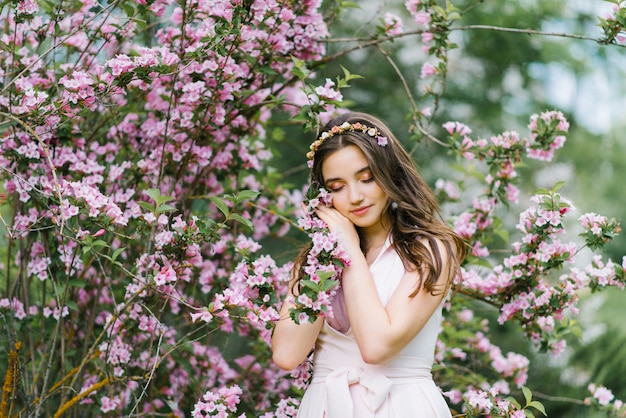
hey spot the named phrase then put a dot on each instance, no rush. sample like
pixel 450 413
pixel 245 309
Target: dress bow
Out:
pixel 339 399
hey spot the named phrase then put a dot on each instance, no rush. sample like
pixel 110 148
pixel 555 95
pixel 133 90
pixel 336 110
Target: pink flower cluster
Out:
pixel 612 23
pixel 393 24
pixel 605 399
pixel 599 230
pixel 547 133
pixel 537 252
pixel 325 262
pixel 220 403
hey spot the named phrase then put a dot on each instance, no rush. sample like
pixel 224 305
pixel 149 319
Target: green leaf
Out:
pixel 311 285
pixel 221 205
pixel 158 198
pixel 323 275
pixel 128 9
pixel 124 79
pixel 538 406
pixel 116 253
pixel 528 395
pixel 513 401
pixel 238 218
pixel 245 195
pixel 71 305
pixel 147 206
pixel 557 186
pixel 529 414
pixel 329 284
pixel 99 243
pixel 299 69
pixel 577 332
pixel 165 208
pixel 338 263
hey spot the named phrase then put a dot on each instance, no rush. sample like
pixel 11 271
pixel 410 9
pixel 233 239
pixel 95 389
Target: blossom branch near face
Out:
pixel 325 262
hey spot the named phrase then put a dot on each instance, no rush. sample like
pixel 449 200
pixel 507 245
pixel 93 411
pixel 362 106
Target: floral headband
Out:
pixel 338 130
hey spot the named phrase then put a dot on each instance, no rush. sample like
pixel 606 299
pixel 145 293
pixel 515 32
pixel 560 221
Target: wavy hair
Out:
pixel 416 220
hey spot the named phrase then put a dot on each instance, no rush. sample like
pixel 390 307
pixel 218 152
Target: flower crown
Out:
pixel 338 130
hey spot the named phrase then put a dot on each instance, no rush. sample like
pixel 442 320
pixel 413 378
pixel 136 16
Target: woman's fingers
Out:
pixel 339 224
pixel 332 217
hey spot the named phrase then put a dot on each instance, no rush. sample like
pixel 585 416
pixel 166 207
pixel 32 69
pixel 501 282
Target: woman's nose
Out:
pixel 356 196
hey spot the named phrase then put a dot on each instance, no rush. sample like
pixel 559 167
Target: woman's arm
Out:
pixel 291 342
pixel 381 331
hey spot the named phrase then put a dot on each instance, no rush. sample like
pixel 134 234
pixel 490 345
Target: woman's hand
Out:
pixel 340 226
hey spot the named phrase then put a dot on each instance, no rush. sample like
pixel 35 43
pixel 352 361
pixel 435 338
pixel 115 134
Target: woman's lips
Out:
pixel 361 211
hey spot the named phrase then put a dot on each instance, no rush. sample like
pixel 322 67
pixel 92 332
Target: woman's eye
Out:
pixel 334 187
pixel 368 179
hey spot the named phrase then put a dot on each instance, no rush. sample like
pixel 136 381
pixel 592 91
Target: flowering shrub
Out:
pixel 138 188
pixel 133 152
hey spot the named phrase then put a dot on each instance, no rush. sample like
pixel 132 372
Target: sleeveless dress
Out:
pixel 344 386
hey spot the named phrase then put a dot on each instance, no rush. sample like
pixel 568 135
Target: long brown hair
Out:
pixel 415 220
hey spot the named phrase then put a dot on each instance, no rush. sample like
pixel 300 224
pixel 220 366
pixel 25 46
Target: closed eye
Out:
pixel 334 187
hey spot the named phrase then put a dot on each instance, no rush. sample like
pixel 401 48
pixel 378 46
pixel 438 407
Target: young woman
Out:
pixel 374 358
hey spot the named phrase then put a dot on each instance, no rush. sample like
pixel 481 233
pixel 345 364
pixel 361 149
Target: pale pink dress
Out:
pixel 344 386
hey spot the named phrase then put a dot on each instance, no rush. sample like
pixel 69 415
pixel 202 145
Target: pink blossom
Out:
pixel 120 64
pixel 109 404
pixel 303 318
pixel 55 312
pixel 28 7
pixel 479 399
pixel 512 193
pixel 164 276
pixel 454 395
pixel 422 18
pixel 327 91
pixel 466 315
pixel 603 395
pixel 558 347
pixel 412 5
pixel 593 222
pixel 428 70
pixel 393 24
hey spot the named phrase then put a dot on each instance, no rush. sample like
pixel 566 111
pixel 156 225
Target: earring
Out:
pixel 394 205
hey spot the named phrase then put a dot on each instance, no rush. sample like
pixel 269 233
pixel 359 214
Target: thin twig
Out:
pixel 407 90
pixel 527 32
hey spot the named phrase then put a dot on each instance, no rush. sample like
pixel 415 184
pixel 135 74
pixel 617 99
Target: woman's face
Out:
pixel 356 194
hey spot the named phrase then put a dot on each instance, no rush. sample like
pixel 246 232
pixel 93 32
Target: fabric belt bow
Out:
pixel 339 400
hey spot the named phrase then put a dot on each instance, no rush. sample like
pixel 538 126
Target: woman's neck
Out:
pixel 374 239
